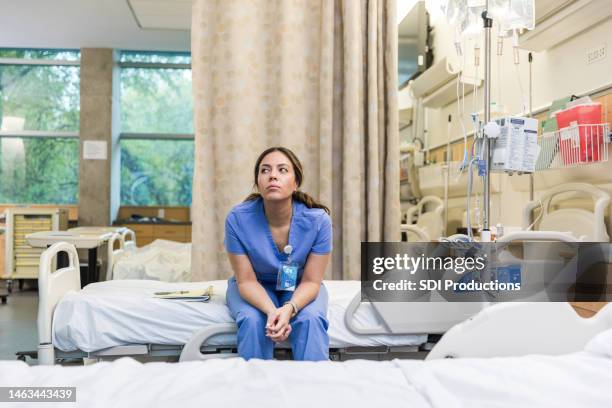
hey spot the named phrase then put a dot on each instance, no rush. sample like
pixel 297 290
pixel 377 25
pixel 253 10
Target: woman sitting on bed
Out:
pixel 279 242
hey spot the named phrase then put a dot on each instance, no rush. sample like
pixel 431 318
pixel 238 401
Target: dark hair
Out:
pixel 299 177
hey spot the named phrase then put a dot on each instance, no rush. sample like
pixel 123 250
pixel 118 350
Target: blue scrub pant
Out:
pixel 308 338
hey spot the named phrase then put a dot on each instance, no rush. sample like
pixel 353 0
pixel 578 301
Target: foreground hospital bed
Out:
pixel 579 379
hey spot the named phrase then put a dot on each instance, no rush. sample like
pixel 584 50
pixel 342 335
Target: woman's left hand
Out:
pixel 281 328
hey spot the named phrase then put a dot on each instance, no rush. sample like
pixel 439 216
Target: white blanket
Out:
pixel 119 312
pixel 578 380
pixel 162 260
pixel 582 379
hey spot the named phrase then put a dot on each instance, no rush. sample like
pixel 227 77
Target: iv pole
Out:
pixel 531 176
pixel 485 235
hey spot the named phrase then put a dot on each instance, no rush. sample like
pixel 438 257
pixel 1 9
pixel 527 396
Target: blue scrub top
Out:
pixel 247 233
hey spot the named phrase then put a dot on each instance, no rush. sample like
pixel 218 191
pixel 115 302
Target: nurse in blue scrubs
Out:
pixel 279 225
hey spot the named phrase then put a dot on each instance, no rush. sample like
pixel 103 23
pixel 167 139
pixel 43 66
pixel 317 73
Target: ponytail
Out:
pixel 299 196
pixel 309 201
pixel 252 197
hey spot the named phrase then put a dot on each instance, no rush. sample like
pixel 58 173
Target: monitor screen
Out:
pixel 414 51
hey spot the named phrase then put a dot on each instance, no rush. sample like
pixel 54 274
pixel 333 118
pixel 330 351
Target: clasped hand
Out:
pixel 277 326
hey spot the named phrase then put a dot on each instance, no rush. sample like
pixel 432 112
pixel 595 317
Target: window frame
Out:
pixel 151 135
pixel 40 134
pixel 40 62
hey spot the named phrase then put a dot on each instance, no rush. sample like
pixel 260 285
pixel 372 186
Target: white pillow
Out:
pixel 601 344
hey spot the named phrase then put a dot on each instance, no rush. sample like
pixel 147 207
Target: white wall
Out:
pixel 557 72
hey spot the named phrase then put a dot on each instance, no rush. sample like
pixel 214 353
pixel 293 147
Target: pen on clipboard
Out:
pixel 180 292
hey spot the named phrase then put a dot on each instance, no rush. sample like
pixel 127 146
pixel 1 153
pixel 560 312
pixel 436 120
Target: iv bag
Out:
pixel 454 11
pixel 472 23
pixel 513 14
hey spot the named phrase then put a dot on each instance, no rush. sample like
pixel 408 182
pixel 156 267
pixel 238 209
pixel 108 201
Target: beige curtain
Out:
pixel 316 76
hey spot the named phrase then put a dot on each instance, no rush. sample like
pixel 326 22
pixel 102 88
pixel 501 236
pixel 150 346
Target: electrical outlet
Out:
pixel 596 54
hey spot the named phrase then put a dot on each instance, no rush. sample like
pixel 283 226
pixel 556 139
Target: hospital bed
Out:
pixel 585 225
pixel 106 320
pixel 129 321
pixel 124 237
pixel 579 379
pixel 429 220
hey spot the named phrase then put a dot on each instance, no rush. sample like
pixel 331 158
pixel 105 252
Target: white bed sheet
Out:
pixel 580 379
pixel 119 312
pixel 223 383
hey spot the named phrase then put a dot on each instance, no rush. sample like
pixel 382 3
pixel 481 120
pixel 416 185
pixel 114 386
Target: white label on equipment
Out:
pixel 571 133
pixel 94 150
pixel 532 151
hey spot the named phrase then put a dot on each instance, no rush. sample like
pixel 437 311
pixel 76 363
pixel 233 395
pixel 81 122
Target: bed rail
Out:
pixel 518 329
pixel 349 319
pixel 52 285
pixel 191 351
pixel 114 254
pixel 130 243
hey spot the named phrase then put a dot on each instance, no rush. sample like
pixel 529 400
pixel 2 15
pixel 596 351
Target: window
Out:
pixel 156 172
pixel 156 140
pixel 156 101
pixel 39 170
pixel 39 126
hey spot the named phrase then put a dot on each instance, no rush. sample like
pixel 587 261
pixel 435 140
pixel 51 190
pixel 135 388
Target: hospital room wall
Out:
pixel 557 72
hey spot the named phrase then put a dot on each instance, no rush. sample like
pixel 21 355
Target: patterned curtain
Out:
pixel 316 76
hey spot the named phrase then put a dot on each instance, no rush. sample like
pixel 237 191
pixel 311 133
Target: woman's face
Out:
pixel 276 178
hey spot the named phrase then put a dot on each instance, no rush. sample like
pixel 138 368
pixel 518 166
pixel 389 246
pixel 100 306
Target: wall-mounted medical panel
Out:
pixel 432 180
pixel 559 20
pixel 599 173
pixel 438 85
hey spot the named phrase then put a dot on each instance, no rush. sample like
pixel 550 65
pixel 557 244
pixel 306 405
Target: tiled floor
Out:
pixel 18 324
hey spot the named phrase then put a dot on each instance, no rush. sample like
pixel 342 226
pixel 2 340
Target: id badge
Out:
pixel 287 276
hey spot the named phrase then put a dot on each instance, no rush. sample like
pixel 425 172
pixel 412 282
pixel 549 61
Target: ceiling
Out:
pixel 124 24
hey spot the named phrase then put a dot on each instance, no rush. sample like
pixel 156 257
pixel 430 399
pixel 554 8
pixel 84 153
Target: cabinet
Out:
pixel 170 223
pixel 21 261
pixel 147 233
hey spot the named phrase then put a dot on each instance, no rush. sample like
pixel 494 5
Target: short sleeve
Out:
pixel 232 240
pixel 324 239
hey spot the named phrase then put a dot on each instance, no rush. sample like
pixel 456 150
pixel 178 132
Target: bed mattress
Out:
pixel 580 379
pixel 120 312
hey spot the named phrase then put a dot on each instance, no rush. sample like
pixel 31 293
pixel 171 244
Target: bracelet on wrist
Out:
pixel 294 307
